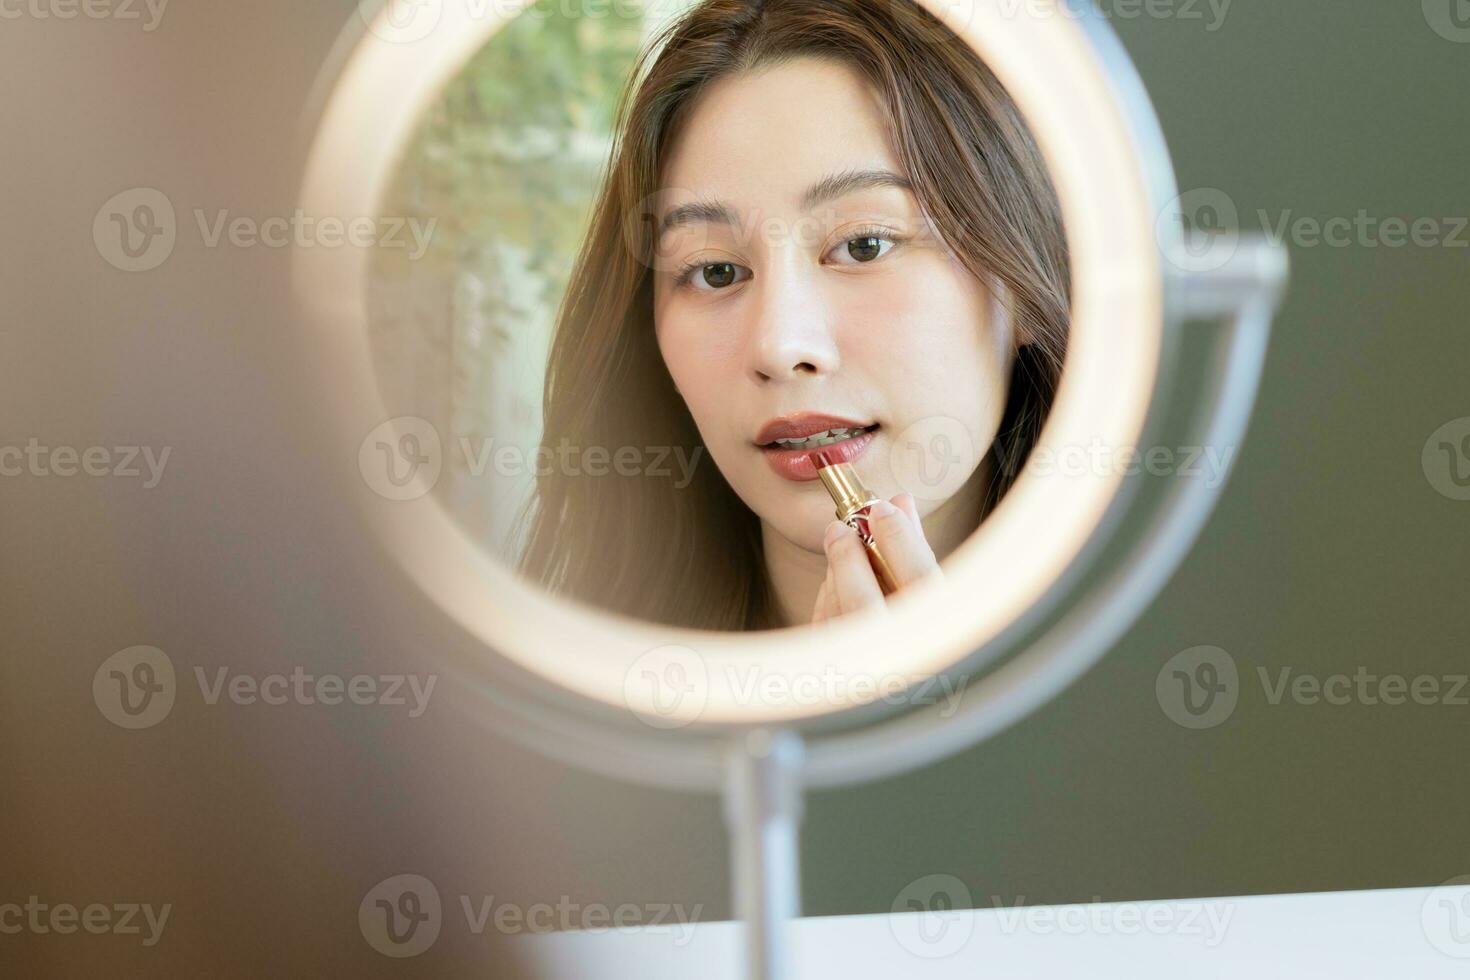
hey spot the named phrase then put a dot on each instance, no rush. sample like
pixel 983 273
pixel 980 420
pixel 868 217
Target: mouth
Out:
pixel 790 457
pixel 820 440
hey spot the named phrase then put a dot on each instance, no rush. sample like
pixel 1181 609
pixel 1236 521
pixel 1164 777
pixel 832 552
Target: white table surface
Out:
pixel 1396 934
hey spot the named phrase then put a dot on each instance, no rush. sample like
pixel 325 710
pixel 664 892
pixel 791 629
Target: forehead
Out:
pixel 760 138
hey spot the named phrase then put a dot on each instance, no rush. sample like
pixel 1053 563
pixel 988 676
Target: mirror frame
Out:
pixel 653 702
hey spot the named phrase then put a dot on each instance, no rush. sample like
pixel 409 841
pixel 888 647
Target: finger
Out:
pixel 901 542
pixel 826 605
pixel 821 609
pixel 831 607
pixel 908 505
pixel 853 580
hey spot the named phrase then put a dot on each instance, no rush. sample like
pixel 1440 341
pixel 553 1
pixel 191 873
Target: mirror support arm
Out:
pixel 1242 287
pixel 763 808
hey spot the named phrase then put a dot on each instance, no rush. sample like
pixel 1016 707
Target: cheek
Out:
pixel 937 343
pixel 701 365
pixel 698 344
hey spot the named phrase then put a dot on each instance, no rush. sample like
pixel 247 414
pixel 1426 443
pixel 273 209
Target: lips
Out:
pixel 803 424
pixel 798 465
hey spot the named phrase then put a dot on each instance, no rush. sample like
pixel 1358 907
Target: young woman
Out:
pixel 820 216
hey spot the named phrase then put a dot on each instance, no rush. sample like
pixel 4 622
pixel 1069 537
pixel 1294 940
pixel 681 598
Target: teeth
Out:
pixel 819 439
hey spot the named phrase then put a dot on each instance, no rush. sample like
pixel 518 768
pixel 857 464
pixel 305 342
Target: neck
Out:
pixel 796 574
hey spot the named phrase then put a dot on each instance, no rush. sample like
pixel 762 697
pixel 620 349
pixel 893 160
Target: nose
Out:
pixel 791 335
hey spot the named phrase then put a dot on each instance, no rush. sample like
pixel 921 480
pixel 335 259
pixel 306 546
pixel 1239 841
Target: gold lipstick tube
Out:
pixel 853 501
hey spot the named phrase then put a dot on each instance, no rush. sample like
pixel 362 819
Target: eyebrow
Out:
pixel 828 188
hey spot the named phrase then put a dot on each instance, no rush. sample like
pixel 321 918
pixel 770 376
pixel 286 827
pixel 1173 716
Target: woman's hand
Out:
pixel 851 583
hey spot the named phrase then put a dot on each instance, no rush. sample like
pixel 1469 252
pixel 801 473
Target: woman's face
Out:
pixel 841 304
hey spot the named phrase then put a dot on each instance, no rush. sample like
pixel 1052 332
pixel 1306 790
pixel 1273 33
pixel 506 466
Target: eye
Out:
pixel 708 277
pixel 866 245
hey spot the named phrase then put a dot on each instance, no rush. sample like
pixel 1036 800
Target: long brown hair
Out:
pixel 691 556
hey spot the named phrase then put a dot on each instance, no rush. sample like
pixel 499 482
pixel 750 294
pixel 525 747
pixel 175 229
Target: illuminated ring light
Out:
pixel 1039 603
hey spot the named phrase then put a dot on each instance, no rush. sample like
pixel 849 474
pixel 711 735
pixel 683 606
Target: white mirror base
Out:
pixel 1422 933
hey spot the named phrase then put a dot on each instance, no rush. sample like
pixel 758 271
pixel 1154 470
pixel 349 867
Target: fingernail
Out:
pixel 834 531
pixel 881 510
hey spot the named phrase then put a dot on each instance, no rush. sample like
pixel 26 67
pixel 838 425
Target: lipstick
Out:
pixel 854 501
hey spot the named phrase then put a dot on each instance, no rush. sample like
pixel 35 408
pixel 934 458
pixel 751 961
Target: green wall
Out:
pixel 1329 552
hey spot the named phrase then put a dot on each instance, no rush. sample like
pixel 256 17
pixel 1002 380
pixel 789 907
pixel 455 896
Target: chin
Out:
pixel 804 523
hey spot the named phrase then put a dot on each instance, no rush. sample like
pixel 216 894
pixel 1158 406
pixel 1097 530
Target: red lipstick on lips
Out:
pixel 796 463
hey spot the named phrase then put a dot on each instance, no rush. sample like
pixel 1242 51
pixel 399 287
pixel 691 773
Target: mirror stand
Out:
pixel 763 807
pixel 763 783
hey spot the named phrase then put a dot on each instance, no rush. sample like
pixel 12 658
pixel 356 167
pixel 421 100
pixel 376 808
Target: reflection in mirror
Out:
pixel 679 252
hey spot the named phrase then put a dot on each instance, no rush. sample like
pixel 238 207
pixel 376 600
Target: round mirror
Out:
pixel 677 285
pixel 772 390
